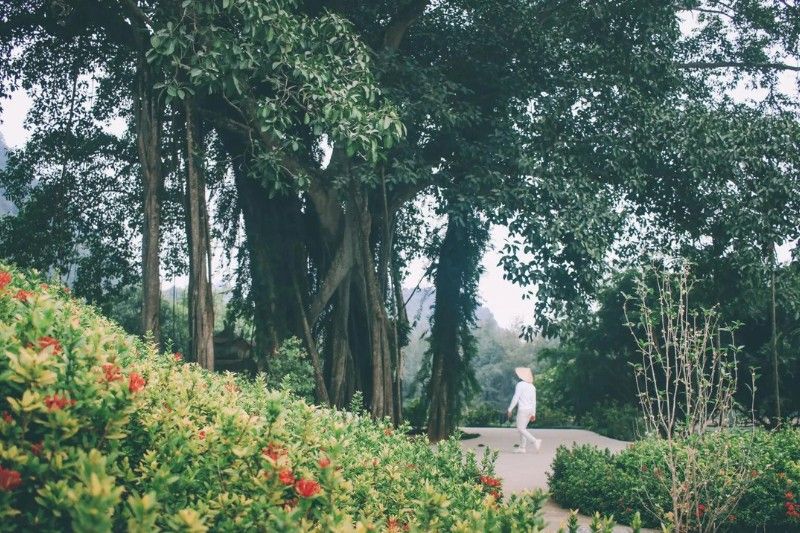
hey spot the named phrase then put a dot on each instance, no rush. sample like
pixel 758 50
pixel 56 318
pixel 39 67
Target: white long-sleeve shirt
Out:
pixel 525 397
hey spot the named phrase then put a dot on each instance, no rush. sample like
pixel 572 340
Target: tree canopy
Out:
pixel 297 140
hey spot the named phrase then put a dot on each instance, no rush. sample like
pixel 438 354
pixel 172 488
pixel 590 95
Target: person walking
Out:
pixel 525 401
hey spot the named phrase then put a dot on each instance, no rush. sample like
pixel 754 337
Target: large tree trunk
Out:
pixel 444 345
pixel 451 340
pixel 276 253
pixel 201 308
pixel 147 111
pixel 341 360
pixel 776 377
pixel 382 396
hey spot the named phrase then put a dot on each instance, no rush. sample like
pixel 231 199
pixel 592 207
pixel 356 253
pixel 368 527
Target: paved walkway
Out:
pixel 529 471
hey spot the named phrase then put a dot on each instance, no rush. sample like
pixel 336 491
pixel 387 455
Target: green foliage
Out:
pixel 633 481
pixel 482 415
pixel 290 370
pixel 259 55
pixel 618 421
pixel 590 377
pixel 100 432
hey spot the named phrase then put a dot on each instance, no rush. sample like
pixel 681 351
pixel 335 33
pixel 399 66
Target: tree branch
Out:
pixel 336 274
pixel 396 29
pixel 738 64
pixel 136 12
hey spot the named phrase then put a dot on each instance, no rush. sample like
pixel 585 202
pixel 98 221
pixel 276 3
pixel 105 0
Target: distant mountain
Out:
pixel 420 308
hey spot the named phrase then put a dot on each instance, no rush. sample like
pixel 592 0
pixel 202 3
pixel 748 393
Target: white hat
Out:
pixel 524 373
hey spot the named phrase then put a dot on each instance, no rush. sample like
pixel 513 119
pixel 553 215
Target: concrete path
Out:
pixel 529 471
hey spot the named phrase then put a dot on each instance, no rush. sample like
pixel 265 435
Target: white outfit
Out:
pixel 525 399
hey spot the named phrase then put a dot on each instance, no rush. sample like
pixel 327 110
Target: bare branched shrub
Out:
pixel 686 384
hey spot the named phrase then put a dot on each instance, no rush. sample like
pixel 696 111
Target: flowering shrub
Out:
pixel 633 480
pixel 99 432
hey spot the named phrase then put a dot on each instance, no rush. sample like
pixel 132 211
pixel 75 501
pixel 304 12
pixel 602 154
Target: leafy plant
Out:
pixel 686 384
pixel 100 432
pixel 633 484
pixel 290 370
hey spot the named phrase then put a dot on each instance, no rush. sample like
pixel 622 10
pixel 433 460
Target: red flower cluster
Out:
pixel 792 508
pixel 136 382
pixel 496 495
pixel 274 451
pixel 112 372
pixel 490 481
pixel 46 342
pixel 286 476
pixel 23 296
pixel 394 525
pixel 201 435
pixel 5 279
pixel 178 356
pixel 36 449
pixel 56 402
pixel 7 418
pixel 307 488
pixel 324 462
pixel 701 510
pixel 9 479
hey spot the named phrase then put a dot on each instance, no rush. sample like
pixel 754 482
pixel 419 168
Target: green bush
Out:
pixel 636 478
pixel 99 432
pixel 614 420
pixel 415 414
pixel 290 370
pixel 482 415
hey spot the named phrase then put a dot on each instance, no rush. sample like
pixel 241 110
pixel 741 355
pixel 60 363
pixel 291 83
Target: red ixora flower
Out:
pixel 5 279
pixel 789 495
pixel 286 476
pixel 7 418
pixel 9 479
pixel 496 495
pixel 307 488
pixel 701 510
pixel 273 451
pixel 56 402
pixel 111 372
pixel 36 449
pixel 136 382
pixel 324 462
pixel 46 342
pixel 178 356
pixel 23 296
pixel 490 481
pixel 201 435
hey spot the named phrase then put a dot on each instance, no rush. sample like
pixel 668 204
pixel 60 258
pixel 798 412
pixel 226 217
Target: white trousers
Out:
pixel 523 417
